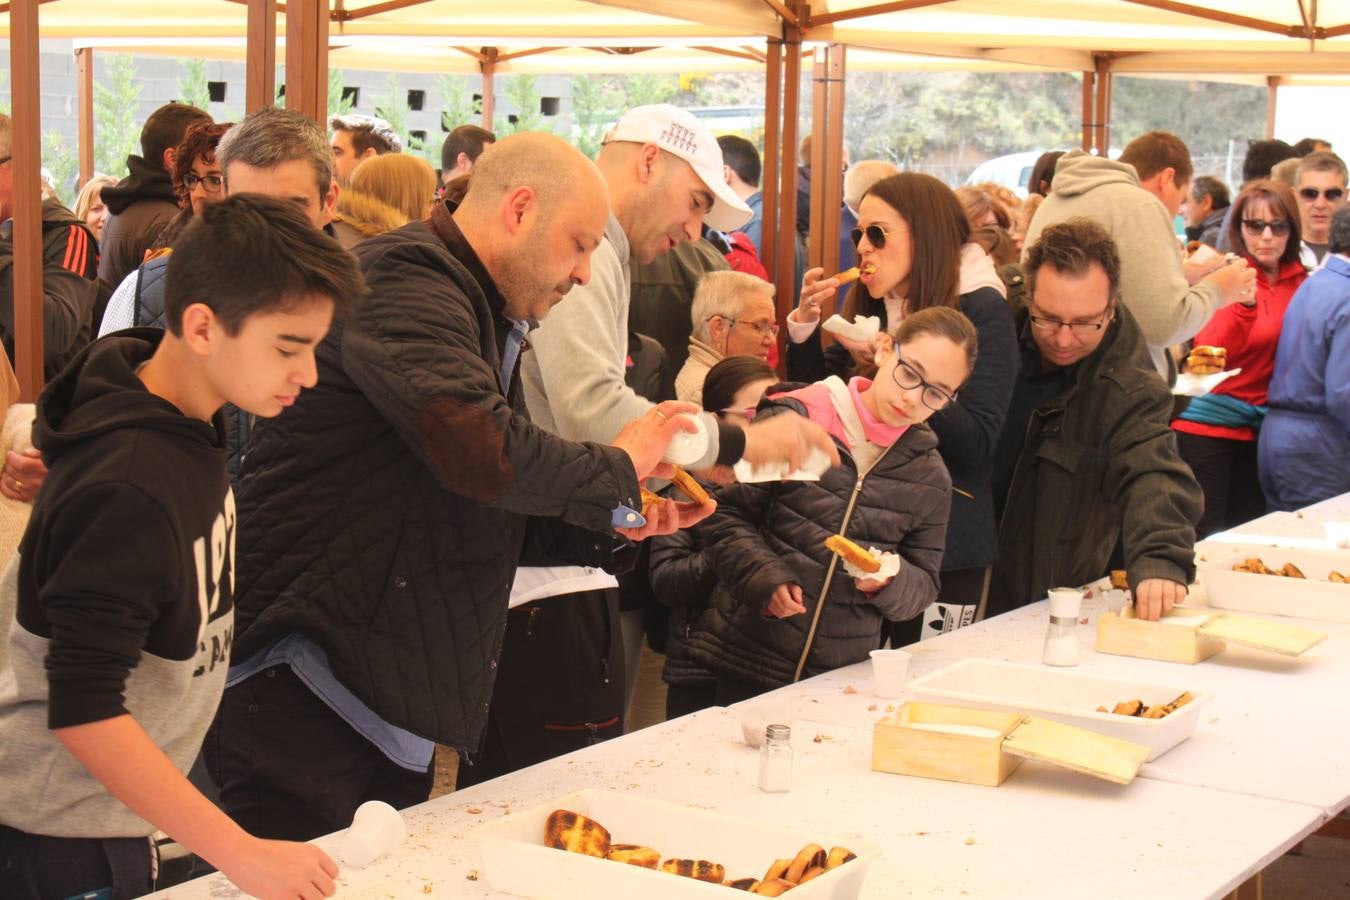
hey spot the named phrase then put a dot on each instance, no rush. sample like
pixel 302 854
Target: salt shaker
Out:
pixel 1061 639
pixel 775 760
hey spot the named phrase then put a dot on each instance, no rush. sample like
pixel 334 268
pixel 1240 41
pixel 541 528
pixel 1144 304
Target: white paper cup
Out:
pixel 1065 601
pixel 688 447
pixel 376 829
pixel 889 670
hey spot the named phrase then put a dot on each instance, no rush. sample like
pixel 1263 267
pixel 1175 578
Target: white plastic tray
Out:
pixel 516 861
pixel 1310 598
pixel 1064 696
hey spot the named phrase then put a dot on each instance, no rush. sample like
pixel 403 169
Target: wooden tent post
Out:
pixel 827 157
pixel 1272 90
pixel 1104 79
pixel 488 65
pixel 785 276
pixel 1089 110
pixel 84 100
pixel 307 58
pixel 25 166
pixel 772 161
pixel 260 78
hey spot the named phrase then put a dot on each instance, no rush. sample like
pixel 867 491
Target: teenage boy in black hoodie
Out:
pixel 117 614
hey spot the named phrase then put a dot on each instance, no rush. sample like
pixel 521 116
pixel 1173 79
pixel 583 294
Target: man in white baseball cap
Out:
pixel 664 172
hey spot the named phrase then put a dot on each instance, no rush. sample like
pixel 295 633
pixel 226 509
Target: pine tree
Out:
pixel 192 86
pixel 117 132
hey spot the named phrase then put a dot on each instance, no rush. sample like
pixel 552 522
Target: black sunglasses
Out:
pixel 1278 227
pixel 876 236
pixel 1312 193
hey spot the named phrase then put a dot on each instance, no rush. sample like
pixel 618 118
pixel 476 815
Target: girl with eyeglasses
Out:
pixel 914 231
pixel 1217 433
pixel 197 180
pixel 784 607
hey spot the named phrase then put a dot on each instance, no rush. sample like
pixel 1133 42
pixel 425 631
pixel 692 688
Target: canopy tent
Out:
pixel 1270 41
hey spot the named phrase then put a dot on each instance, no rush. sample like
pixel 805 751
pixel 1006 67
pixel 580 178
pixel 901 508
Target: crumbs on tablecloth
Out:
pixel 472 876
pixel 872 708
pixel 970 841
pixel 474 810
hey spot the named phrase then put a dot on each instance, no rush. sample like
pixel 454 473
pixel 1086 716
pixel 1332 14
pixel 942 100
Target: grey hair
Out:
pixel 1286 171
pixel 1322 162
pixel 271 136
pixel 723 294
pixel 1340 231
pixel 368 132
pixel 861 176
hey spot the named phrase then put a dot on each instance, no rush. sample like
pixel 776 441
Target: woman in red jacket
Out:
pixel 1216 433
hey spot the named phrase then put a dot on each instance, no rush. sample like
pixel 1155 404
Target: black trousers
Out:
pixel 683 699
pixel 559 684
pixel 289 768
pixel 37 867
pixel 1227 472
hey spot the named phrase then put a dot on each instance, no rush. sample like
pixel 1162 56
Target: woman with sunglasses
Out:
pixel 1217 433
pixel 915 238
pixel 197 179
pixel 784 607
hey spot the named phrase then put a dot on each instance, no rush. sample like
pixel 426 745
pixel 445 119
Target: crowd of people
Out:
pixel 367 461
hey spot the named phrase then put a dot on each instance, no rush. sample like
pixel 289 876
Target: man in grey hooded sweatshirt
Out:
pixel 1135 199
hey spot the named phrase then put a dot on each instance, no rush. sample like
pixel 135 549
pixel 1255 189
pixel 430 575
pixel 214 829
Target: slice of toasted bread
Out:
pixel 852 553
pixel 633 855
pixel 698 869
pixel 573 832
pixel 690 487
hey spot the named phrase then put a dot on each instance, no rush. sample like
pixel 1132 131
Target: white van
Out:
pixel 1012 171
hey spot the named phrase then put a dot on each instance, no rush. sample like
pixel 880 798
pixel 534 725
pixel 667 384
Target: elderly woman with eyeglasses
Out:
pixel 915 247
pixel 785 607
pixel 1217 433
pixel 733 315
pixel 197 179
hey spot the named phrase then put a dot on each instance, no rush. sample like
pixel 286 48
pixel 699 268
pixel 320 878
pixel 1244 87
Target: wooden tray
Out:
pixel 1191 636
pixel 975 746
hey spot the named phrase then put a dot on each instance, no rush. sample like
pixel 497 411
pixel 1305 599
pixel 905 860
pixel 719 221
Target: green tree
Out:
pixel 521 90
pixel 338 104
pixel 62 160
pixel 457 106
pixel 393 108
pixel 116 129
pixel 192 86
pixel 594 106
pixel 646 88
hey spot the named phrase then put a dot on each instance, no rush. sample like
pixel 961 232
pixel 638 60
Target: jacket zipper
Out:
pixel 834 563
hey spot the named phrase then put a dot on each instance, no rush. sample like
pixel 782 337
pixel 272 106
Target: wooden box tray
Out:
pixel 1194 635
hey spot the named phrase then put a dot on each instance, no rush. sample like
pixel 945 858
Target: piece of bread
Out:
pixel 1120 579
pixel 573 832
pixel 648 498
pixel 813 872
pixel 849 275
pixel 698 869
pixel 1202 369
pixel 1129 708
pixel 853 553
pixel 743 884
pixel 688 486
pixel 777 869
pixel 633 855
pixel 1155 712
pixel 1206 350
pixel 1289 570
pixel 776 887
pixel 809 857
pixel 1337 578
pixel 838 856
pixel 1205 360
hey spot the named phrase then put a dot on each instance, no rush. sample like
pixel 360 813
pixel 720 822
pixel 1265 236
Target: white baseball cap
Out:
pixel 678 132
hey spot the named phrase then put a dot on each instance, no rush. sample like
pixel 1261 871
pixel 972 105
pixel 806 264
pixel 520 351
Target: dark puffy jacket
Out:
pixel 967 430
pixel 683 581
pixel 662 296
pixel 386 512
pixel 140 205
pixel 765 535
pixel 69 286
pixel 1099 462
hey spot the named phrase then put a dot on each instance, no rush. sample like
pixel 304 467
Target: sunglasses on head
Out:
pixel 1278 227
pixel 876 236
pixel 1312 193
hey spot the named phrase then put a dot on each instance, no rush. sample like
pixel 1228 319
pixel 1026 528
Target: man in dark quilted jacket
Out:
pixel 387 511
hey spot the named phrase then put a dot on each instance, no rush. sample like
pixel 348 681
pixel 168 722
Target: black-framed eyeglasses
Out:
pixel 908 378
pixel 764 329
pixel 212 184
pixel 876 236
pixel 1079 329
pixel 1257 227
pixel 1312 193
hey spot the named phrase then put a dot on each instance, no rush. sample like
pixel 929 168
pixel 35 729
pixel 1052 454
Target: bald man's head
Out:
pixel 534 213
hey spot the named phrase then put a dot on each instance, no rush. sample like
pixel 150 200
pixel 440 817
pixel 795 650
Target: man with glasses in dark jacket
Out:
pixel 1087 455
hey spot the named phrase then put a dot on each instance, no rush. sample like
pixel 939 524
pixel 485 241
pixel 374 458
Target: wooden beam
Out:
pixel 260 67
pixel 1089 109
pixel 5 7
pixel 770 166
pixel 1272 89
pixel 25 165
pixel 488 66
pixel 1103 105
pixel 1308 23
pixel 786 238
pixel 84 100
pixel 1334 32
pixel 832 194
pixel 307 58
pixel 477 55
pixel 1214 15
pixel 345 15
pixel 875 10
pixel 787 15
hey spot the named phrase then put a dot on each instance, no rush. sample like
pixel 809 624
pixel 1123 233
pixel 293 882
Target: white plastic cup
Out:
pixel 889 670
pixel 1066 602
pixel 688 447
pixel 376 829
